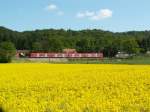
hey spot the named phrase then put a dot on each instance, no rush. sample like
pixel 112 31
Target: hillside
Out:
pixel 54 40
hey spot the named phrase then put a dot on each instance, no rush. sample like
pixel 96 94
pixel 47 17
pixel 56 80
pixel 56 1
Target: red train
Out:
pixel 66 55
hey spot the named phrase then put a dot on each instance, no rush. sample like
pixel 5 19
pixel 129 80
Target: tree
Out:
pixel 36 46
pixel 54 40
pixel 55 45
pixel 7 51
pixel 85 45
pixel 130 46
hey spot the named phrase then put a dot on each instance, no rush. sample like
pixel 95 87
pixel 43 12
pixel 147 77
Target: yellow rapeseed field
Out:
pixel 74 88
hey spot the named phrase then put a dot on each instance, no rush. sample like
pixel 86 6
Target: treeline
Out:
pixel 51 40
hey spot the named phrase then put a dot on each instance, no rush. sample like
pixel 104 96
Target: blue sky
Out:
pixel 113 15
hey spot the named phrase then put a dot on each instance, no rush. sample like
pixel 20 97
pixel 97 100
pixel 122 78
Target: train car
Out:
pixel 66 55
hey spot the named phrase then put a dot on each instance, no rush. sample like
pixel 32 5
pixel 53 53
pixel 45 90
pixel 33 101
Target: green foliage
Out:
pixel 36 46
pixel 7 51
pixel 55 45
pixel 84 41
pixel 85 45
pixel 130 46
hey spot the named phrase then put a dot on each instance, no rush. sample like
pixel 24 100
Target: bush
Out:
pixel 7 51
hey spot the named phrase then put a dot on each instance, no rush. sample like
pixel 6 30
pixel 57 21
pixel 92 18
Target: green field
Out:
pixel 135 60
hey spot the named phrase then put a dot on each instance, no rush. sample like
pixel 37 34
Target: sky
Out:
pixel 112 15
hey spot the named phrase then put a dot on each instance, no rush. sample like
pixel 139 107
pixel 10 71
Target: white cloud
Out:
pixel 80 15
pixel 54 8
pixel 89 14
pixel 97 15
pixel 85 14
pixel 60 13
pixel 51 7
pixel 102 14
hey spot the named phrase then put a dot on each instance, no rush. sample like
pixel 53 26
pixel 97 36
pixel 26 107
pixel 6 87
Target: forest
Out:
pixel 96 40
